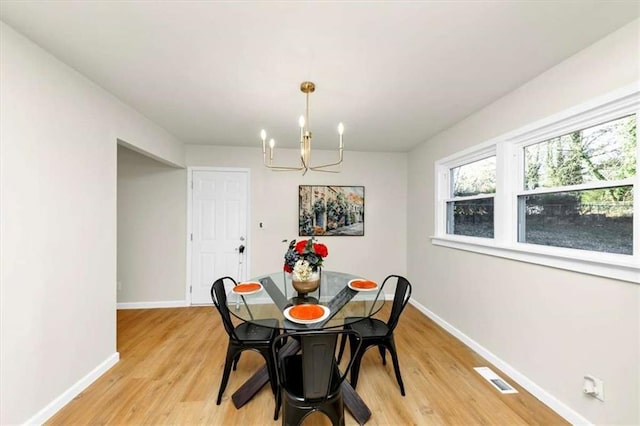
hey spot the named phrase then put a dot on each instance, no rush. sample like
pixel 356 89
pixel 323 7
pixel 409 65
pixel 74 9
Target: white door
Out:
pixel 219 229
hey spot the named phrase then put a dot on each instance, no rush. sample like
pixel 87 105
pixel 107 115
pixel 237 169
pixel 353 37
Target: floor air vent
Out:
pixel 495 380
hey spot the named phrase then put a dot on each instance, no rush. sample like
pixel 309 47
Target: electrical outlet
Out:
pixel 593 387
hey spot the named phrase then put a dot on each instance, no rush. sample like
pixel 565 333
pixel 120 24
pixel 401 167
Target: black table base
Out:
pixel 352 400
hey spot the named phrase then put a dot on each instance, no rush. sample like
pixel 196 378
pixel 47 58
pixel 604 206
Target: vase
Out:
pixel 304 287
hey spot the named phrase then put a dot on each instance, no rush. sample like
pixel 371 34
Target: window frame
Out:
pixel 476 156
pixel 509 152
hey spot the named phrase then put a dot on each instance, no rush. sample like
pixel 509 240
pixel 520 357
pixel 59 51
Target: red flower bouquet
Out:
pixel 305 254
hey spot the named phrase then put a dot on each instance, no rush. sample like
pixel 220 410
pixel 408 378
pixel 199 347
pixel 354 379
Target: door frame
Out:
pixel 189 246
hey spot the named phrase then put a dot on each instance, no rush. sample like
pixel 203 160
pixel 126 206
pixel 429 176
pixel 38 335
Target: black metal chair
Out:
pixel 375 332
pixel 246 336
pixel 311 380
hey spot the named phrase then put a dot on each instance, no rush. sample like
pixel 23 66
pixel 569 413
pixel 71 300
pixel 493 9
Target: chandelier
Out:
pixel 306 87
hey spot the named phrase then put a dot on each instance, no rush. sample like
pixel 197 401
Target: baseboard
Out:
pixel 545 397
pixel 153 305
pixel 54 406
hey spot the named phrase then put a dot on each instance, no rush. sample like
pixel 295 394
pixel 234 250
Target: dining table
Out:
pixel 340 297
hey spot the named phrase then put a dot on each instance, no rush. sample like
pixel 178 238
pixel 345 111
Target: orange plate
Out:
pixel 366 284
pixel 246 288
pixel 306 312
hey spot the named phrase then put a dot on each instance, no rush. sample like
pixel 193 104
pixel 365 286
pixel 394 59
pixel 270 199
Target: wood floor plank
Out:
pixel 171 362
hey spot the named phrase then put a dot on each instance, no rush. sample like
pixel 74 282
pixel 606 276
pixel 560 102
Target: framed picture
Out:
pixel 330 210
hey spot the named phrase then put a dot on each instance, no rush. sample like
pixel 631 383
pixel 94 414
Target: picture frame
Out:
pixel 331 210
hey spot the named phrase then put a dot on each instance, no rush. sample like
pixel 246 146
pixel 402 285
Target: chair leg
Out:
pixel 236 360
pixel 396 365
pixel 231 354
pixel 276 411
pixel 355 368
pixel 343 343
pixel 382 351
pixel 271 368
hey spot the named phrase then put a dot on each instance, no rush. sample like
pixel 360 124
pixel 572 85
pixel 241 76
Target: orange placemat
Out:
pixel 306 312
pixel 364 284
pixel 247 287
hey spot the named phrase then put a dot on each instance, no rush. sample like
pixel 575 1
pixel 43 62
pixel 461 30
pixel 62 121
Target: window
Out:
pixel 559 192
pixel 578 190
pixel 470 210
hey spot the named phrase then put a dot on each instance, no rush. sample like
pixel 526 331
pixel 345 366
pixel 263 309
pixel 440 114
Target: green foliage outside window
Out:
pixel 606 152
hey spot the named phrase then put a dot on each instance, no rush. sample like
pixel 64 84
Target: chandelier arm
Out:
pixel 285 169
pixel 339 162
pixel 278 168
pixel 326 165
pixel 281 168
pixel 313 169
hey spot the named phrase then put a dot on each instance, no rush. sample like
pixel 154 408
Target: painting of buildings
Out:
pixel 331 210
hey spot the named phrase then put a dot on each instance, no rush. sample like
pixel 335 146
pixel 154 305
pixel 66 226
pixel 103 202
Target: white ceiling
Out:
pixel 395 73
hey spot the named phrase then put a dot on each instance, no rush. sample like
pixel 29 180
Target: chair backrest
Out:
pixel 219 297
pixel 320 375
pixel 400 300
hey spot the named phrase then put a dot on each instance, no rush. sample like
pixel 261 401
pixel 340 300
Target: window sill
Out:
pixel 615 266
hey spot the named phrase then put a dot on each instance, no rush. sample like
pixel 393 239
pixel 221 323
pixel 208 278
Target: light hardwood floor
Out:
pixel 171 362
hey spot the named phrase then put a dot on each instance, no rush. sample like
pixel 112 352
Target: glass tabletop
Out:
pixel 337 298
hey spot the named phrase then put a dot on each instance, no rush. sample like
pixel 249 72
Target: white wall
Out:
pixel 151 229
pixel 551 325
pixel 58 226
pixel 274 202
